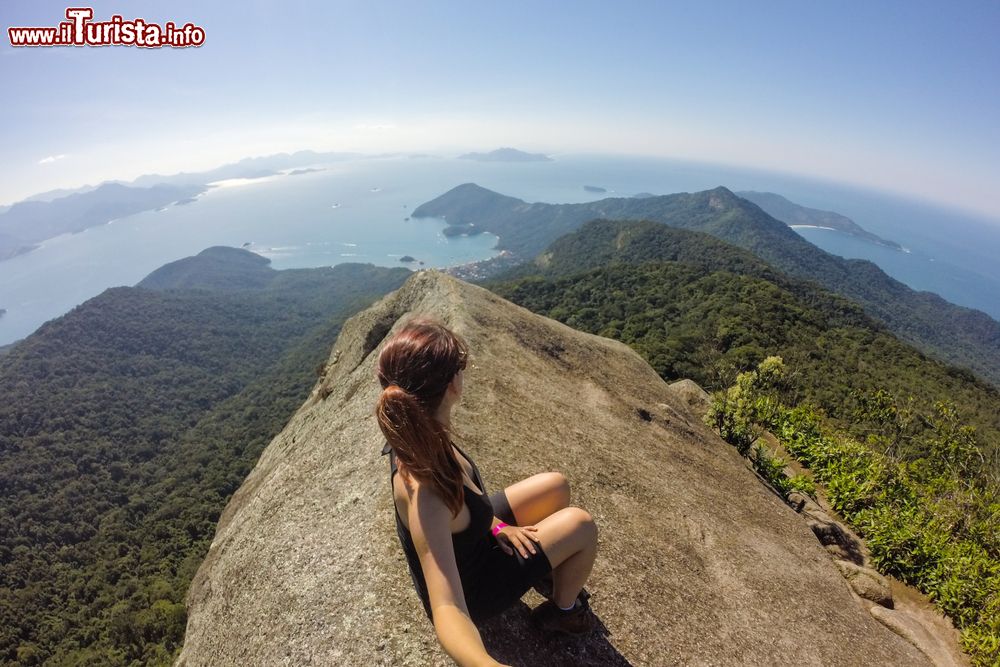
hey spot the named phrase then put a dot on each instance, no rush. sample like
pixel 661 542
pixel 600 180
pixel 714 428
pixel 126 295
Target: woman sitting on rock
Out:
pixel 472 555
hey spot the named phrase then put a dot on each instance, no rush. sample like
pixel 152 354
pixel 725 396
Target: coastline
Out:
pixel 484 268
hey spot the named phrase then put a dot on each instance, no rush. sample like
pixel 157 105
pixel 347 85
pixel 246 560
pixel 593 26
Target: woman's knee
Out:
pixel 588 524
pixel 558 485
pixel 583 523
pixel 567 532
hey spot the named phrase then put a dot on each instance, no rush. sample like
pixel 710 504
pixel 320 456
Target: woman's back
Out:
pixel 473 543
pixel 472 480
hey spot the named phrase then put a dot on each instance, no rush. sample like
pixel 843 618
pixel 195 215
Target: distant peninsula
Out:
pixel 594 188
pixel 28 222
pixel 11 246
pixel 408 258
pixel 794 215
pixel 506 155
pixel 48 214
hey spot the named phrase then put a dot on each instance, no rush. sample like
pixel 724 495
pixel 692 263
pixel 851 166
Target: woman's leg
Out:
pixel 537 497
pixel 569 538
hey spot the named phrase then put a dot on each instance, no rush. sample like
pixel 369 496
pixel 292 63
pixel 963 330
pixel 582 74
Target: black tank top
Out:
pixel 472 545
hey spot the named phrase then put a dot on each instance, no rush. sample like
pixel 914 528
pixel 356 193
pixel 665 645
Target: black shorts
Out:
pixel 506 578
pixel 501 507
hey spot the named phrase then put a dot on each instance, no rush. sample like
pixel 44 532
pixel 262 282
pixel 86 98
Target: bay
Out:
pixel 354 211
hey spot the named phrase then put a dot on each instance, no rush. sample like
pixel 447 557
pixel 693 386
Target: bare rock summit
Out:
pixel 699 564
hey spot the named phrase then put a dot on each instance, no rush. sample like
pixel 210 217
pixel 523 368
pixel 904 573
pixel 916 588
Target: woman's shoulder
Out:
pixel 409 493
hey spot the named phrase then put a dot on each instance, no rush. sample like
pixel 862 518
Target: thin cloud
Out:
pixel 52 158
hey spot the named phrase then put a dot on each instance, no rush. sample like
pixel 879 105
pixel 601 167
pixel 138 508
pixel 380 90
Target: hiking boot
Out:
pixel 544 587
pixel 578 621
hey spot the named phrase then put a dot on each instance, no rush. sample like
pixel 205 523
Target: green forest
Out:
pixel 125 427
pixel 707 311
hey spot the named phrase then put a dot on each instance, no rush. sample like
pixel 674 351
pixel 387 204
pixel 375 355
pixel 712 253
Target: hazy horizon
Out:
pixel 778 174
pixel 897 99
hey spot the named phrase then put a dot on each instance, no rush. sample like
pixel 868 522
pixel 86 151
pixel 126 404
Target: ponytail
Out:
pixel 415 368
pixel 421 443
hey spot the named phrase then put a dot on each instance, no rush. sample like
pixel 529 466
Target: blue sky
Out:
pixel 900 96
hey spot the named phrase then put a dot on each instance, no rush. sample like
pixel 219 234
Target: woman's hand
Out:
pixel 522 538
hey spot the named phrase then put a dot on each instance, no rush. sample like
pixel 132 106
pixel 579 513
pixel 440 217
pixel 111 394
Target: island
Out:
pixel 797 217
pixel 299 172
pixel 594 188
pixel 506 155
pixel 3 311
pixel 408 259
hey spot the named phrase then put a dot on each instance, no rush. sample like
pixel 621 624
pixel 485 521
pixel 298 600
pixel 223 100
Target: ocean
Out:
pixel 355 211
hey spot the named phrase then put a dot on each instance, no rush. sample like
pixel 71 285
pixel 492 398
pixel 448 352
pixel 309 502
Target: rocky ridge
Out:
pixel 699 562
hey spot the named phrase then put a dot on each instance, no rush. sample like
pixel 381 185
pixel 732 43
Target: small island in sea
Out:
pixel 309 170
pixel 594 188
pixel 506 155
pixel 408 259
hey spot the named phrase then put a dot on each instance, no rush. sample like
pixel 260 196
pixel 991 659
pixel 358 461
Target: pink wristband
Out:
pixel 497 528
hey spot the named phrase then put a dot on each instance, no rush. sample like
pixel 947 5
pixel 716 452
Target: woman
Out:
pixel 472 555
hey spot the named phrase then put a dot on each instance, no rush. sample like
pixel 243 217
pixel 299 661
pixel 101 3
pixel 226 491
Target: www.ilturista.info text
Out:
pixel 79 30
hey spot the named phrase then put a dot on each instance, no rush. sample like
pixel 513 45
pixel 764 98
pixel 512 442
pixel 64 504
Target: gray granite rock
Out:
pixel 698 564
pixel 909 626
pixel 867 583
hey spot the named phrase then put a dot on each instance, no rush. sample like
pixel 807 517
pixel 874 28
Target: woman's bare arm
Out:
pixel 430 520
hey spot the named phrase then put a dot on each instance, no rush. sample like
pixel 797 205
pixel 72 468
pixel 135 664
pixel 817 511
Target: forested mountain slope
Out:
pixel 957 335
pixel 698 308
pixel 125 426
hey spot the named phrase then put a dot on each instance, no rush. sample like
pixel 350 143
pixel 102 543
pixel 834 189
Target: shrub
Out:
pixel 931 522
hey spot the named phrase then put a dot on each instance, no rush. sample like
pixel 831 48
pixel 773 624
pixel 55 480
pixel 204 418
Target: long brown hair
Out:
pixel 415 368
